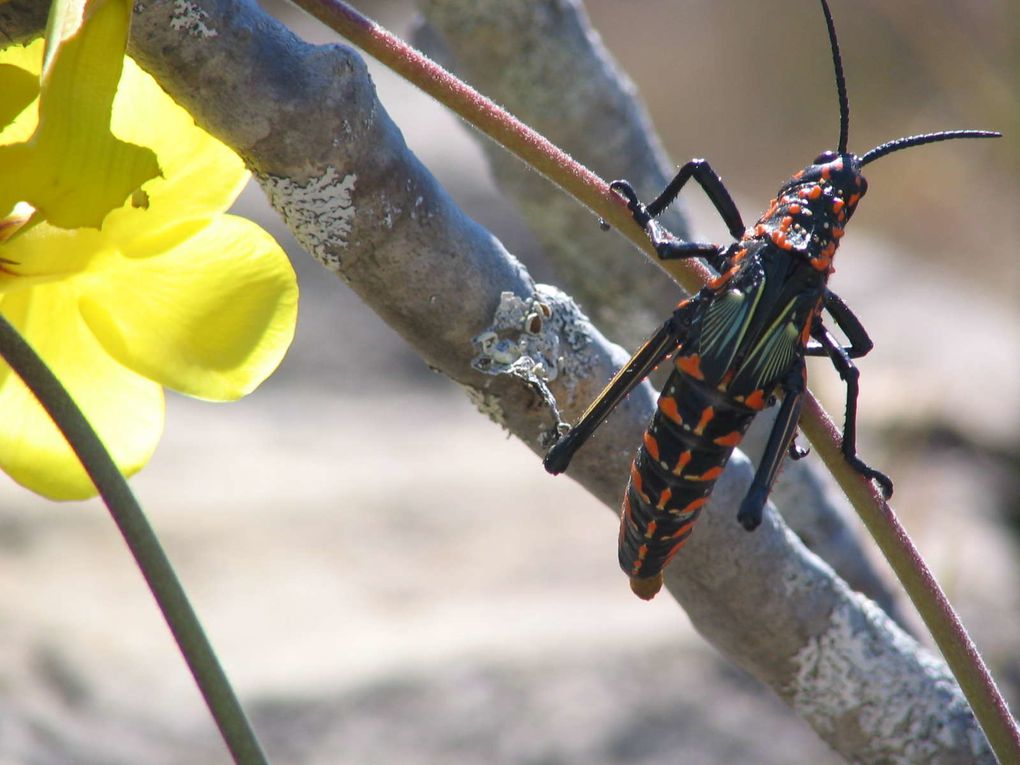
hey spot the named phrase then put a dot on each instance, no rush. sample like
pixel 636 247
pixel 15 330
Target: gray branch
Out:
pixel 307 121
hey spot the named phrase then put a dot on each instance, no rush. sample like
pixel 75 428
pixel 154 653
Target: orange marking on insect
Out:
pixel 676 548
pixel 642 553
pixel 693 505
pixel 756 400
pixel 667 405
pixel 706 417
pixel 837 232
pixel 688 509
pixel 651 446
pixel 795 209
pixel 730 439
pixel 837 165
pixel 837 204
pixel 708 475
pixel 798 174
pixel 637 482
pixel 779 239
pixel 680 532
pixel 691 366
pixel 759 230
pixel 786 222
pixel 853 200
pixel 810 192
pixel 682 462
pixel 805 333
pixel 823 260
pixel 665 497
pixel 650 530
pixel 721 280
pixel 739 255
pixel 826 172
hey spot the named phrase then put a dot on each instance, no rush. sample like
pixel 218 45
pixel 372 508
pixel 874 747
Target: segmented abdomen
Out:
pixel 689 441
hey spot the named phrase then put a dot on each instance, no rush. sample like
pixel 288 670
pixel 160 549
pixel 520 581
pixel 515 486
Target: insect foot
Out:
pixel 624 190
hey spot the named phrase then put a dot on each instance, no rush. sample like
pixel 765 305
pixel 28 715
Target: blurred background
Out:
pixel 389 579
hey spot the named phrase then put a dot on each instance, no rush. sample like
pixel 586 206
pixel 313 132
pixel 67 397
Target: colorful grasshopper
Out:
pixel 739 342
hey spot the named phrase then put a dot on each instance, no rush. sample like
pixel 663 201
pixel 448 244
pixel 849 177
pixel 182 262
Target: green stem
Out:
pixel 141 540
pixel 962 657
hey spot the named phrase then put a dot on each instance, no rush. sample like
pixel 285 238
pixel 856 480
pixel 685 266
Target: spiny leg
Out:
pixel 780 441
pixel 847 321
pixel 667 245
pixel 715 190
pixel 647 357
pixel 849 373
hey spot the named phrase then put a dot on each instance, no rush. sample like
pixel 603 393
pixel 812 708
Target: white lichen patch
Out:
pixel 525 341
pixel 319 212
pixel 532 327
pixel 191 19
pixel 853 660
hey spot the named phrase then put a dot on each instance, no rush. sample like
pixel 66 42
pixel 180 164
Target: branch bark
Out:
pixel 307 121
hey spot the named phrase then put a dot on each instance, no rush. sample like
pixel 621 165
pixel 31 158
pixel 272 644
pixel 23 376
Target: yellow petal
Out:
pixel 46 253
pixel 19 88
pixel 29 59
pixel 27 56
pixel 211 317
pixel 125 409
pixel 73 170
pixel 201 176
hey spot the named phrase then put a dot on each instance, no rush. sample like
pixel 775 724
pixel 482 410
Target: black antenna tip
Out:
pixel 837 62
pixel 919 140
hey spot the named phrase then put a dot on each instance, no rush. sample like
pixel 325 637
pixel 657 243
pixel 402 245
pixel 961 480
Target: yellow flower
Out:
pixel 172 292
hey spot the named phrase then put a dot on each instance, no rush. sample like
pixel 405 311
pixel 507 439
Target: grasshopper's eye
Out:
pixel 825 157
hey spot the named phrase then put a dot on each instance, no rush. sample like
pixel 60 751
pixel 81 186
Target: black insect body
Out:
pixel 738 343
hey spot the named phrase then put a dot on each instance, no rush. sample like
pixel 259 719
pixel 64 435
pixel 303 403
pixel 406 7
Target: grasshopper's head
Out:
pixel 824 195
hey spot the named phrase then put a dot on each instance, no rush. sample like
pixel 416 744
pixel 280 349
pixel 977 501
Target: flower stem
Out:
pixel 141 540
pixel 924 591
pixel 951 637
